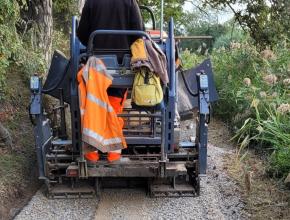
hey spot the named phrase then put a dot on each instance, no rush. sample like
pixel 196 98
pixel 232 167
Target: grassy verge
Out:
pixel 18 180
pixel 265 198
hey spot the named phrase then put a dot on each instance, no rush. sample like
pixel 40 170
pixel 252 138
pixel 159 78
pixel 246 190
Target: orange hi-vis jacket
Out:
pixel 101 128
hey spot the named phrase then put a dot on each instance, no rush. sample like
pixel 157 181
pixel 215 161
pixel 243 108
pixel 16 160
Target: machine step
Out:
pixel 180 190
pixel 67 192
pixel 59 142
pixel 143 141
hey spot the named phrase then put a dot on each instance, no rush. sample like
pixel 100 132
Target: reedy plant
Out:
pixel 254 90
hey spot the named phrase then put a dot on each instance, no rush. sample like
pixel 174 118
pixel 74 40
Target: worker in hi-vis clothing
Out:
pixel 110 15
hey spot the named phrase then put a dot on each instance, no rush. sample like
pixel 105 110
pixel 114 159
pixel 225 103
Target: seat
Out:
pixel 110 61
pixel 123 77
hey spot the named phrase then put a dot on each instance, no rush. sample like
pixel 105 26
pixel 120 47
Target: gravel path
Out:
pixel 41 208
pixel 220 199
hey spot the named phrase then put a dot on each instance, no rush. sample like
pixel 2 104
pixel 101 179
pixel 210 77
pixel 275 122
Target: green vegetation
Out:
pixel 16 49
pixel 172 8
pixel 63 10
pixel 267 22
pixel 253 80
pixel 9 41
pixel 254 89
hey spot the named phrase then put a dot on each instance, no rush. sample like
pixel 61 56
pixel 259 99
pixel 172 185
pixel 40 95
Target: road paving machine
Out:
pixel 155 158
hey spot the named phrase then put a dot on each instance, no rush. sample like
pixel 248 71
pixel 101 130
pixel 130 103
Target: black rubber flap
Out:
pixel 58 77
pixel 186 102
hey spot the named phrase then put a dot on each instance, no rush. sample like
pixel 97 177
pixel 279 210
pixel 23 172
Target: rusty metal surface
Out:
pixel 136 169
pixel 178 186
pixel 182 190
pixel 67 192
pixel 124 169
pixel 103 171
pixel 143 140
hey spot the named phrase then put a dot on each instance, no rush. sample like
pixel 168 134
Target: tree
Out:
pixel 63 10
pixel 172 8
pixel 267 21
pixel 9 15
pixel 81 4
pixel 203 22
pixel 38 16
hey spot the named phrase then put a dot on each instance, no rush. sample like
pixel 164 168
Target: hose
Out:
pixel 187 86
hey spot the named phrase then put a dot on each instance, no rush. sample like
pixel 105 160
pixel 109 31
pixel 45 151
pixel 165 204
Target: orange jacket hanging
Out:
pixel 101 127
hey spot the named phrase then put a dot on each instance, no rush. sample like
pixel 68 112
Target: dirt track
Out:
pixel 220 198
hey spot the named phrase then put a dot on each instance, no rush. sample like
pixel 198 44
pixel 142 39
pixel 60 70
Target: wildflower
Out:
pixel 235 45
pixel 248 97
pixel 254 88
pixel 270 79
pixel 268 54
pixel 199 49
pixel 284 108
pixel 260 129
pixel 286 82
pixel 255 103
pixel 247 82
pixel 274 95
pixel 263 94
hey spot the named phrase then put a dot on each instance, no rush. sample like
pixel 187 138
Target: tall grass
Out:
pixel 254 89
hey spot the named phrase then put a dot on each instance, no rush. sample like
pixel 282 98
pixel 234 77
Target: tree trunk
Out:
pixel 81 5
pixel 39 14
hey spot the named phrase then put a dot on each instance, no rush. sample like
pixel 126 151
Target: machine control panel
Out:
pixel 203 82
pixel 34 83
pixel 203 93
pixel 35 103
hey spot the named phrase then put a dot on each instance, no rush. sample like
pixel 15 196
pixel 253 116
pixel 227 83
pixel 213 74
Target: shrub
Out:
pixel 262 101
pixel 15 48
pixel 232 35
pixel 254 90
pixel 9 41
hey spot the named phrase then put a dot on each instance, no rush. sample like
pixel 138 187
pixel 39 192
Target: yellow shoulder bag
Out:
pixel 147 90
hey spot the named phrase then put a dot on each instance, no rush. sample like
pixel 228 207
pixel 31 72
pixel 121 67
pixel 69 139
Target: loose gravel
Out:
pixel 220 199
pixel 41 208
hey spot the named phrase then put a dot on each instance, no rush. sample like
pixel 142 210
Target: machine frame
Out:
pixel 166 167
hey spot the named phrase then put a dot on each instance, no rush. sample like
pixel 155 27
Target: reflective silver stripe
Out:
pixel 100 138
pixel 83 111
pixel 100 68
pixel 96 64
pixel 119 72
pixel 112 71
pixel 93 134
pixel 112 141
pixel 99 102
